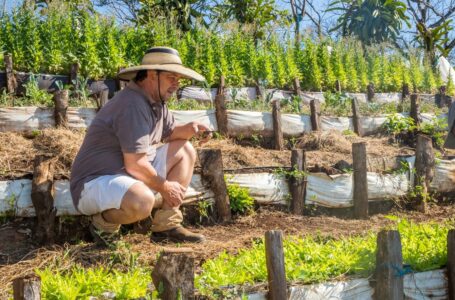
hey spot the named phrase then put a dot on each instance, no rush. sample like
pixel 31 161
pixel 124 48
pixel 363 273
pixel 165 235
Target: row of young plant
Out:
pixel 50 43
pixel 309 259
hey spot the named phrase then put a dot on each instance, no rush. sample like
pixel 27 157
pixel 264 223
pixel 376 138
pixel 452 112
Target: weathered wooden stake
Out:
pixel 61 99
pixel 43 198
pixel 173 275
pixel 297 185
pixel 315 113
pixel 11 83
pixel 74 70
pixel 424 165
pixel 389 262
pixel 415 109
pixel 338 86
pixel 220 108
pixel 356 117
pixel 451 263
pixel 441 98
pixel 212 173
pixel 404 94
pixel 297 89
pixel 275 265
pixel 359 157
pixel 259 93
pixel 27 288
pixel 120 84
pixel 370 92
pixel 277 132
pixel 102 98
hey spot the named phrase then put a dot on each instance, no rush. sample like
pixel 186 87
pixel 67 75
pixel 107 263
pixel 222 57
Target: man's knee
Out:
pixel 138 201
pixel 190 151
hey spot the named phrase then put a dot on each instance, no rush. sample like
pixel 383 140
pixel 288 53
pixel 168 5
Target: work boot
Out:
pixel 103 233
pixel 177 235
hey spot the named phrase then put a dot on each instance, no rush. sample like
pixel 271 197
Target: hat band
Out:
pixel 162 50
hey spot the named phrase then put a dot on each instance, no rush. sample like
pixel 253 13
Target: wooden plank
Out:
pixel 370 92
pixel 212 173
pixel 359 157
pixel 451 263
pixel 389 261
pixel 11 83
pixel 424 165
pixel 315 114
pixel 297 185
pixel 27 288
pixel 415 109
pixel 220 108
pixel 277 132
pixel 173 275
pixel 61 99
pixel 43 198
pixel 276 272
pixel 356 117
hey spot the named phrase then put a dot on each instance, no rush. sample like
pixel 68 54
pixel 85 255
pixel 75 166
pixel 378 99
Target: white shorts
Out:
pixel 107 191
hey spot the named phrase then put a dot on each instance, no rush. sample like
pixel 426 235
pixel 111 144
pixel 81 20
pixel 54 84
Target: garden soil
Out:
pixel 18 151
pixel 19 255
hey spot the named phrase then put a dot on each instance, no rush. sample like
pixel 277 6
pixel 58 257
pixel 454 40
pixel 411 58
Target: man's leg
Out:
pixel 180 161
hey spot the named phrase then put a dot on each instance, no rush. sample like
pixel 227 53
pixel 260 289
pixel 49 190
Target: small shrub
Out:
pixel 240 200
pixel 396 124
pixel 35 95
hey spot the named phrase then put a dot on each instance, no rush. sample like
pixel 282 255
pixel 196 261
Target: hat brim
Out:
pixel 130 73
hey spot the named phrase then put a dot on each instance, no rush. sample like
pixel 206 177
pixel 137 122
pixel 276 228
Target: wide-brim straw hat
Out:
pixel 162 59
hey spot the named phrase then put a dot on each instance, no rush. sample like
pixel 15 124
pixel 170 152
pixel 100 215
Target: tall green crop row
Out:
pixel 52 41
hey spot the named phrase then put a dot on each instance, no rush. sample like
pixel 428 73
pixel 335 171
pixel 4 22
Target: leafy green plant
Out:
pixel 338 104
pixel 204 207
pixel 436 129
pixel 240 200
pixel 396 124
pixel 35 95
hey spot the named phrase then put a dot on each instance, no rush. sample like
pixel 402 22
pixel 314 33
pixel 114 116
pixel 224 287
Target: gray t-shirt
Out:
pixel 130 122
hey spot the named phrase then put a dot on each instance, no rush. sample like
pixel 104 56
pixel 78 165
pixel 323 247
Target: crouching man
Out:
pixel 119 175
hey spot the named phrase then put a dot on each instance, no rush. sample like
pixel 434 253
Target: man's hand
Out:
pixel 173 193
pixel 189 130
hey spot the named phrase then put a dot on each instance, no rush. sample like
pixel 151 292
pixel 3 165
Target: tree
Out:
pixel 433 30
pixel 302 8
pixel 371 21
pixel 255 13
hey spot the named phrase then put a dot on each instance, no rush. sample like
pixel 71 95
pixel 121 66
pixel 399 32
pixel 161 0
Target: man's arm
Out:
pixel 187 131
pixel 138 166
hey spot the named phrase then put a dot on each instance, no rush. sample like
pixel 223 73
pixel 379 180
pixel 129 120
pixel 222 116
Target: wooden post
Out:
pixel 275 265
pixel 389 261
pixel 27 288
pixel 277 132
pixel 297 89
pixel 451 263
pixel 11 83
pixel 338 86
pixel 212 173
pixel 359 157
pixel 120 84
pixel 102 98
pixel 424 165
pixel 440 98
pixel 315 113
pixel 404 94
pixel 61 99
pixel 356 117
pixel 370 92
pixel 74 70
pixel 259 94
pixel 43 198
pixel 220 108
pixel 415 109
pixel 173 275
pixel 297 185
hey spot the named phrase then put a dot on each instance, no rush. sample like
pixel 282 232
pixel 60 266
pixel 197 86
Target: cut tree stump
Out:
pixel 451 263
pixel 11 83
pixel 424 167
pixel 277 132
pixel 315 113
pixel 27 288
pixel 220 108
pixel 61 99
pixel 276 272
pixel 297 185
pixel 359 157
pixel 173 275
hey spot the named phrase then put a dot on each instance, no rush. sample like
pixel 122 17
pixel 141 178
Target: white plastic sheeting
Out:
pixel 198 93
pixel 206 117
pixel 444 176
pixel 417 286
pixel 445 70
pixel 247 123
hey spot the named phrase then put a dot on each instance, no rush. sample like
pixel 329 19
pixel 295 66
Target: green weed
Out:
pixel 239 198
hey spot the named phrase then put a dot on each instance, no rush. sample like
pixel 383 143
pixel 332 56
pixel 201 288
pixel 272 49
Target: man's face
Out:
pixel 168 83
